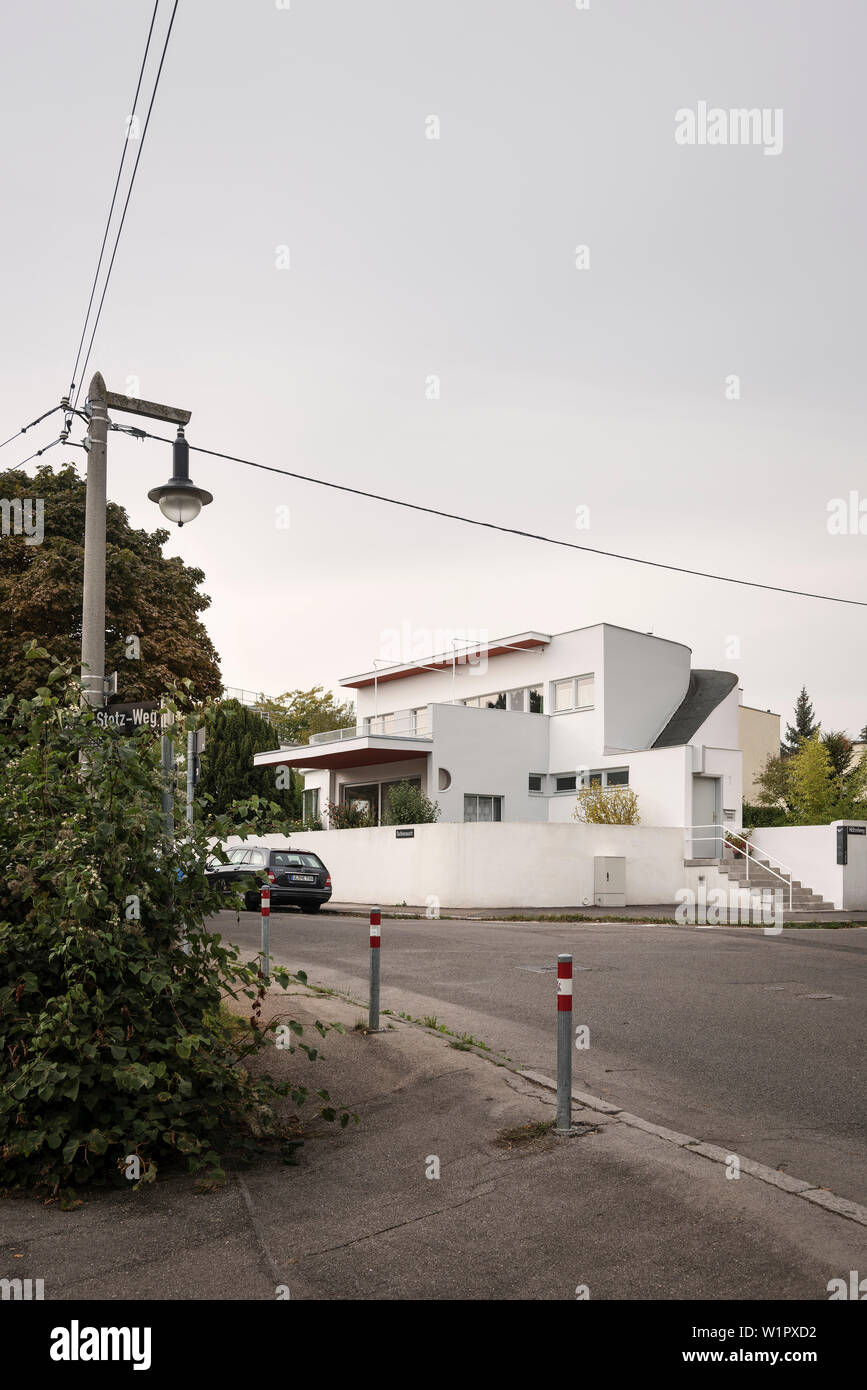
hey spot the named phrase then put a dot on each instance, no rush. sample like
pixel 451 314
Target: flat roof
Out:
pixel 524 642
pixel 365 751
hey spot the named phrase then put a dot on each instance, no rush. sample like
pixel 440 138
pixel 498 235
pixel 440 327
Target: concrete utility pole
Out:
pixel 179 500
pixel 93 605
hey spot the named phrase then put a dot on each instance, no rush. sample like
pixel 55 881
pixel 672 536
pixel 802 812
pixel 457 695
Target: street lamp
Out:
pixel 179 499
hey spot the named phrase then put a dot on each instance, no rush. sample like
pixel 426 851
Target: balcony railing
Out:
pixel 403 724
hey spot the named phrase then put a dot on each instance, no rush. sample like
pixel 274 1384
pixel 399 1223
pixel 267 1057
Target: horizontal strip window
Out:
pixel 527 699
pixel 604 777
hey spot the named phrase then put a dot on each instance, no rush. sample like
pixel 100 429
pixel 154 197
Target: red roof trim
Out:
pixel 445 663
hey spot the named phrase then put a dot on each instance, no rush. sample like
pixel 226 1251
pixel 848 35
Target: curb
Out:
pixel 797 1187
pixel 783 1182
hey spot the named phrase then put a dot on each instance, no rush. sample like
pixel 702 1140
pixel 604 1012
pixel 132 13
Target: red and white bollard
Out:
pixel 373 1013
pixel 564 1046
pixel 265 953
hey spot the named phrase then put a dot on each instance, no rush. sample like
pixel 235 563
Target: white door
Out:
pixel 707 830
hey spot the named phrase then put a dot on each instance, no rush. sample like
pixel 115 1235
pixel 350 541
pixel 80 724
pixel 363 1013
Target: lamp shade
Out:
pixel 179 499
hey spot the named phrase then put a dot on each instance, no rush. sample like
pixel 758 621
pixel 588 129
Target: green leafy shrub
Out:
pixel 408 805
pixel 111 1038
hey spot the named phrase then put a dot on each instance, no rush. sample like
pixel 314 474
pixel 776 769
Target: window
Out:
pixel 535 782
pixel 483 808
pixel 310 805
pixel 576 693
pixel 296 859
pixel 365 799
pixel 563 695
pixel 566 783
pixel 528 699
pixel 256 857
pixel 613 777
pixel 237 856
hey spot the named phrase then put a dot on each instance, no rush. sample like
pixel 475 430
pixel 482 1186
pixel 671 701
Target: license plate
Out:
pixel 302 878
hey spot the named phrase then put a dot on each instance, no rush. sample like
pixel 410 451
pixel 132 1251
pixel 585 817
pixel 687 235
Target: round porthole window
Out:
pixel 444 779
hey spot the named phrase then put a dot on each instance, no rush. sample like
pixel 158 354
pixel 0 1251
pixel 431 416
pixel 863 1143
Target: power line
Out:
pixel 38 454
pixel 25 428
pixel 113 200
pixel 126 201
pixel 514 531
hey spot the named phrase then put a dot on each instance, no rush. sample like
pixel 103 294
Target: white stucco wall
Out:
pixel 659 776
pixel 489 752
pixel 506 865
pixel 811 852
pixel 646 678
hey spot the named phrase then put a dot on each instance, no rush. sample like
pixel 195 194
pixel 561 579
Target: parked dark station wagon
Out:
pixel 296 877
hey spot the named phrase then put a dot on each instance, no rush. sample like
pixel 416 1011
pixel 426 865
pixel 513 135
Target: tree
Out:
pixel 775 784
pixel 803 727
pixel 408 805
pixel 840 750
pixel 811 778
pixel 235 733
pixel 154 637
pixel 297 714
pixel 862 737
pixel 806 788
pixel 598 805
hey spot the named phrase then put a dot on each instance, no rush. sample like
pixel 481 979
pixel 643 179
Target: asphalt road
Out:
pixel 708 1031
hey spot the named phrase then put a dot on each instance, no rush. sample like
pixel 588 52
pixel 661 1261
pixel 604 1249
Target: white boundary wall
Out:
pixel 811 851
pixel 511 864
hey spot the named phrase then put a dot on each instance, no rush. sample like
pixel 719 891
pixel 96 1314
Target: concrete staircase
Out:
pixel 765 878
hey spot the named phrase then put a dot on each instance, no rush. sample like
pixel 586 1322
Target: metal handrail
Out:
pixel 736 835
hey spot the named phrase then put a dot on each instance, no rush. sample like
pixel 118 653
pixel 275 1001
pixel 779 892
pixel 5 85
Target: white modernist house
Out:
pixel 510 730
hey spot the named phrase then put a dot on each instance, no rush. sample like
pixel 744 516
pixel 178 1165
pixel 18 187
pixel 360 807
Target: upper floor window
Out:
pixel 526 699
pixel 578 692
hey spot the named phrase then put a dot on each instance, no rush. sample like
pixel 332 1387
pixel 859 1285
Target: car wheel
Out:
pixel 252 902
pixel 310 907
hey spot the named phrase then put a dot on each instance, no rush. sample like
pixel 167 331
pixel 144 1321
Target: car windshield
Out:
pixel 295 859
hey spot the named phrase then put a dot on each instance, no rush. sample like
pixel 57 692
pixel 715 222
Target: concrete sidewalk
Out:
pixel 658 912
pixel 622 1210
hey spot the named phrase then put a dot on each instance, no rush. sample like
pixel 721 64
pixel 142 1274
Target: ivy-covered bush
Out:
pixel 115 1053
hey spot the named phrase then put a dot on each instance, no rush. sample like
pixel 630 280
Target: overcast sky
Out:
pixel 607 387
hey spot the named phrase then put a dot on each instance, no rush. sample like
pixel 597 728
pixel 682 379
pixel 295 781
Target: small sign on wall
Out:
pixel 404 834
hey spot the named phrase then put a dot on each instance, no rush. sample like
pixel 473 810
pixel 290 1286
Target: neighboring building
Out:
pixel 759 739
pixel 510 730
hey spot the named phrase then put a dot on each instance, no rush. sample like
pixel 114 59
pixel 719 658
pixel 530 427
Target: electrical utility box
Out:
pixel 609 880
